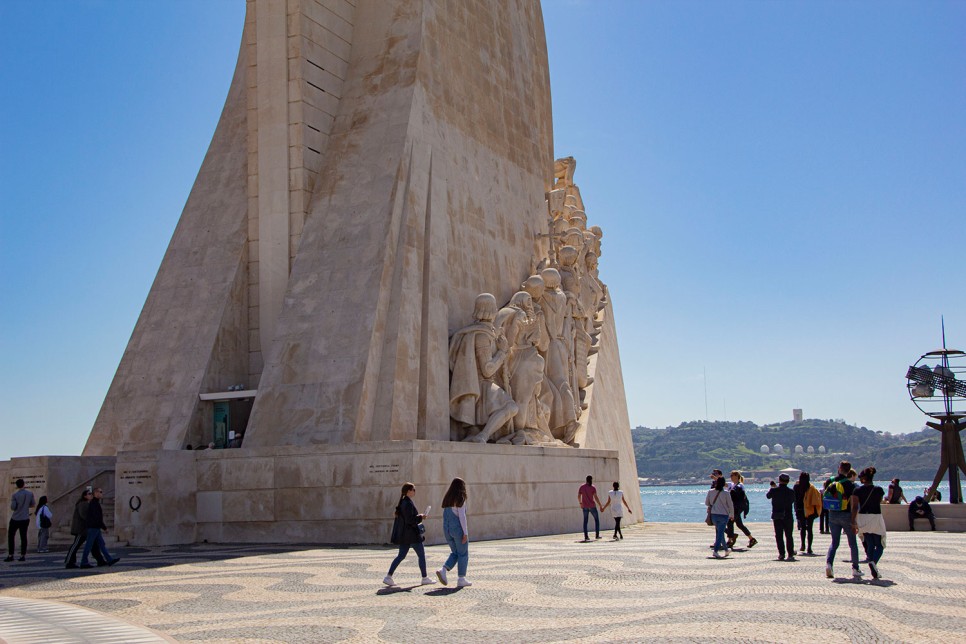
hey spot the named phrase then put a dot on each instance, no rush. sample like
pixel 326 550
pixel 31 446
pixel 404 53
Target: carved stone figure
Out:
pixel 518 322
pixel 479 396
pixel 520 374
pixel 591 292
pixel 563 172
pixel 563 412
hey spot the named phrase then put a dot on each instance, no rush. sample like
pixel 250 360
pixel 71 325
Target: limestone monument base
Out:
pixel 346 493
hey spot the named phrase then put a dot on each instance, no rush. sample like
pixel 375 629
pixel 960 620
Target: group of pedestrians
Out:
pixel 86 525
pixel 854 510
pixel 590 504
pixel 20 504
pixel 727 503
pixel 408 533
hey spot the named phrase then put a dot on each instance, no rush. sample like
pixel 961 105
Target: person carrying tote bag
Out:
pixel 410 534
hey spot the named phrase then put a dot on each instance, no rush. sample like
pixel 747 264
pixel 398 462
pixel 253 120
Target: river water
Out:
pixel 685 503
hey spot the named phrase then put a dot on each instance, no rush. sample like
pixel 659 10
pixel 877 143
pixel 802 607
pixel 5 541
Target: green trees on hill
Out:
pixel 692 449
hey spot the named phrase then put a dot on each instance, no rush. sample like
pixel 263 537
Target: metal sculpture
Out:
pixel 940 394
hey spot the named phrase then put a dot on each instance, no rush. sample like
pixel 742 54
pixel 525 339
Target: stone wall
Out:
pixel 346 493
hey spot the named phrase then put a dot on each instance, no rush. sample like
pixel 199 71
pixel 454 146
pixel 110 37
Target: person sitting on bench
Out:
pixel 919 509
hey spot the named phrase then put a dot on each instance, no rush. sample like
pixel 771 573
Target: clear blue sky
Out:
pixel 782 188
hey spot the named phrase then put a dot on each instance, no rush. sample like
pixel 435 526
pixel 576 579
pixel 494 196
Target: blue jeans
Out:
pixel 459 552
pixel 403 551
pixel 720 523
pixel 94 536
pixel 587 513
pixel 873 546
pixel 837 523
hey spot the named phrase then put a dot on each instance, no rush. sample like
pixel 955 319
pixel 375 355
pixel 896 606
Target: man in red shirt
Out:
pixel 589 502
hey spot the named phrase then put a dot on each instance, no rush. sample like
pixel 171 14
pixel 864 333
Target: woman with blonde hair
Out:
pixel 740 500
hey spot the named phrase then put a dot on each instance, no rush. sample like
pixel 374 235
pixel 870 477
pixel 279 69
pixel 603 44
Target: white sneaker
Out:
pixel 828 571
pixel 727 551
pixel 856 573
pixel 388 581
pixel 462 582
pixel 716 555
pixel 441 575
pixel 427 581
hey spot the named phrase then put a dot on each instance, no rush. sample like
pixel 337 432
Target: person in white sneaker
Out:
pixel 407 534
pixel 721 510
pixel 868 519
pixel 838 499
pixel 456 532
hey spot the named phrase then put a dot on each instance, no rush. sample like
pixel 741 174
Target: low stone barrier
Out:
pixel 949 517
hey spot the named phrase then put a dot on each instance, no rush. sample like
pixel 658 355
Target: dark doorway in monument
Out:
pixel 226 414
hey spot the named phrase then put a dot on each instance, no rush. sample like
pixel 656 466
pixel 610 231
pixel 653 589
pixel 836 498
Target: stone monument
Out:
pixel 380 275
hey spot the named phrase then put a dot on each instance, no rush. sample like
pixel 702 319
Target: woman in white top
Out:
pixel 616 497
pixel 44 516
pixel 456 532
pixel 721 509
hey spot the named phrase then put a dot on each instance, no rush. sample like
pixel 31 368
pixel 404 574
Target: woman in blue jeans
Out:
pixel 409 534
pixel 722 510
pixel 457 535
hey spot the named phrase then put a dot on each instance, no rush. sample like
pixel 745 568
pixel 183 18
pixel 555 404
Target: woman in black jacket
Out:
pixel 78 528
pixel 407 534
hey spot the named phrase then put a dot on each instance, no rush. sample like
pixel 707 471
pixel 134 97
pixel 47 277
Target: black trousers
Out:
pixel 823 525
pixel 617 526
pixel 730 528
pixel 783 536
pixel 12 529
pixel 913 516
pixel 805 530
pixel 79 539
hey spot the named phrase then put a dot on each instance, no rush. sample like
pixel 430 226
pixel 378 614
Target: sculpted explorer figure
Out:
pixel 479 384
pixel 563 413
pixel 525 365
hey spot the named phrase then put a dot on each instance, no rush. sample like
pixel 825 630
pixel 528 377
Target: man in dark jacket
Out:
pixel 78 528
pixel 919 509
pixel 782 509
pixel 95 523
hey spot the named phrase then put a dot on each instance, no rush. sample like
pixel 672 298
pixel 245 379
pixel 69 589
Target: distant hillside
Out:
pixel 693 449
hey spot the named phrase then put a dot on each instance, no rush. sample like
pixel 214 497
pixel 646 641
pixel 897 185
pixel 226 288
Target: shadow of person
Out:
pixel 442 592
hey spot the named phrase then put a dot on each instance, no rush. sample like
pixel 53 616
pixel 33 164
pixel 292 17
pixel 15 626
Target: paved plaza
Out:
pixel 660 583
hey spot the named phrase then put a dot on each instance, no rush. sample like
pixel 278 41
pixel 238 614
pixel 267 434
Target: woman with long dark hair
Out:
pixel 615 498
pixel 407 534
pixel 456 533
pixel 868 520
pixel 45 519
pixel 808 506
pixel 721 509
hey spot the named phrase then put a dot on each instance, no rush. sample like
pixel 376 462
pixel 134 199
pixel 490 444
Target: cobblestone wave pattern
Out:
pixel 658 584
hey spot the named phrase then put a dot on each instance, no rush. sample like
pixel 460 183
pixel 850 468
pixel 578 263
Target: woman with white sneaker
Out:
pixel 407 533
pixel 456 532
pixel 868 519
